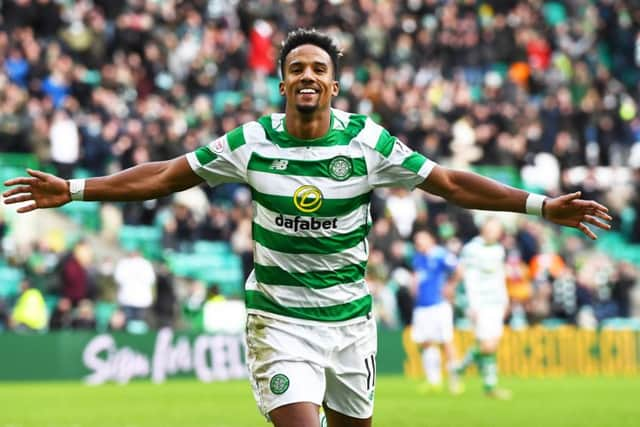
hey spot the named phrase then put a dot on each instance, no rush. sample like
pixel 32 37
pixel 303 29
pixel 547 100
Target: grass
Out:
pixel 562 402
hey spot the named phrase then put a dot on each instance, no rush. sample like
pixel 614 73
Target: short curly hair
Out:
pixel 310 36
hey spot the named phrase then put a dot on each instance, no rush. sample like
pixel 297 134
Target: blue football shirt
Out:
pixel 432 270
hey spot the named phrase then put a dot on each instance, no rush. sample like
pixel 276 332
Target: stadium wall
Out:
pixel 119 357
pixel 543 352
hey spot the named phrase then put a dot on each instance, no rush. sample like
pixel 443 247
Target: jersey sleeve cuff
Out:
pixel 196 166
pixel 426 168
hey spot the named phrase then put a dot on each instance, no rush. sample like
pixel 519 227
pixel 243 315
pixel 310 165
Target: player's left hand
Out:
pixel 572 211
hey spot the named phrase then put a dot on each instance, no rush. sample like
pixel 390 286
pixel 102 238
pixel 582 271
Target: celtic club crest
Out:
pixel 279 383
pixel 340 168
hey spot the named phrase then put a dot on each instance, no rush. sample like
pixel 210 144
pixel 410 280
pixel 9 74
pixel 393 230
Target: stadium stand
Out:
pixel 541 98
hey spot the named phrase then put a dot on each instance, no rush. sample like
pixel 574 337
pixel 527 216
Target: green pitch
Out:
pixel 565 402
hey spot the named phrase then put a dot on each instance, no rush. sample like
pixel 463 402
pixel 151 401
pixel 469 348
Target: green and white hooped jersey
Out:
pixel 311 209
pixel 484 273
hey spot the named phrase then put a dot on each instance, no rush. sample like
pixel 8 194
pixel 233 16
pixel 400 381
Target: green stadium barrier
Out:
pixel 121 357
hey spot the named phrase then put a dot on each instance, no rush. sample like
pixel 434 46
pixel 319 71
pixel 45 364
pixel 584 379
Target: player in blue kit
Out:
pixel 432 325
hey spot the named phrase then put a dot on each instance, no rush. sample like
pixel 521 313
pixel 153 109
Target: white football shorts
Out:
pixel 488 322
pixel 433 323
pixel 331 364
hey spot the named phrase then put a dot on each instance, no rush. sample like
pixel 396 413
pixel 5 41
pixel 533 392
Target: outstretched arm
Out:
pixel 473 191
pixel 142 182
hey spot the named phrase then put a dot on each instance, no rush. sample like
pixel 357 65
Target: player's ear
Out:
pixel 335 88
pixel 281 87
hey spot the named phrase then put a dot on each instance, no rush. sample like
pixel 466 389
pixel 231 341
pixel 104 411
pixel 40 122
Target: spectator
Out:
pixel 117 321
pixel 3 231
pixel 40 267
pixel 135 279
pixel 404 297
pixel 221 315
pixel 164 306
pixel 242 244
pixel 84 318
pixel 623 282
pixel 76 280
pixel 4 315
pixel 65 143
pixel 216 226
pixel 180 229
pixel 62 316
pixel 30 312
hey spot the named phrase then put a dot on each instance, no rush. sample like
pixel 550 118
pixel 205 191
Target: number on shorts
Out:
pixel 370 364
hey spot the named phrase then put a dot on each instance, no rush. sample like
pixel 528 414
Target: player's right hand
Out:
pixel 572 211
pixel 41 188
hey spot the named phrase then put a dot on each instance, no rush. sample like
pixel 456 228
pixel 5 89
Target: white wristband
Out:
pixel 76 189
pixel 534 204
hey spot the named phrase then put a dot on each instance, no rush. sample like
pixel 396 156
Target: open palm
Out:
pixel 572 211
pixel 43 189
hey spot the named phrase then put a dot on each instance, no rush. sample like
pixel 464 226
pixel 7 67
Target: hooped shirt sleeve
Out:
pixel 224 159
pixel 389 161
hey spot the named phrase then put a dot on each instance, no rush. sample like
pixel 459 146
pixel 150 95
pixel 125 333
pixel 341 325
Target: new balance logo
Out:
pixel 279 165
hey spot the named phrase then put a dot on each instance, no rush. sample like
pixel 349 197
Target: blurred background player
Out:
pixel 483 265
pixel 432 327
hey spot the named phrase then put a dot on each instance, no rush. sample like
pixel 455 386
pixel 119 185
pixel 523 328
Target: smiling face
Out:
pixel 308 82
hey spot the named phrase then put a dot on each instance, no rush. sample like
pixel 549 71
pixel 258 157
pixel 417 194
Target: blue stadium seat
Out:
pixel 614 244
pixel 19 160
pixel 79 173
pixel 464 324
pixel 103 312
pixel 10 279
pixel 222 98
pixel 87 214
pixel 51 301
pixel 137 327
pixel 211 247
pixel 553 323
pixel 621 323
pixel 508 175
pixel 223 269
pixel 146 239
pixel 273 91
pixel 8 172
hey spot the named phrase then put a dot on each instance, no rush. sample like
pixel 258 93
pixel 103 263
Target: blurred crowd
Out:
pixel 544 92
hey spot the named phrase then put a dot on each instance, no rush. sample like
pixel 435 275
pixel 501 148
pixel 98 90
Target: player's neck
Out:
pixel 307 126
